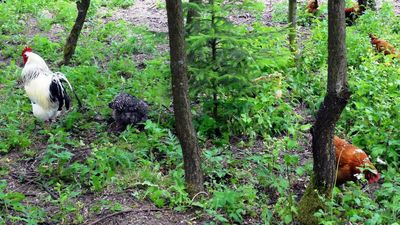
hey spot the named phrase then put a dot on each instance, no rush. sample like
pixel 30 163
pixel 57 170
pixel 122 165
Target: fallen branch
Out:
pixel 45 188
pixel 24 185
pixel 123 212
pixel 36 181
pixel 201 192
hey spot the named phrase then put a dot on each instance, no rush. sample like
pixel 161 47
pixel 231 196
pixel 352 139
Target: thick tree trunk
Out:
pixel 183 117
pixel 192 22
pixel 70 45
pixel 292 22
pixel 328 114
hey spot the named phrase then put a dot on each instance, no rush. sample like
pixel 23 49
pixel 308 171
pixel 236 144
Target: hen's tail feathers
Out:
pixel 63 78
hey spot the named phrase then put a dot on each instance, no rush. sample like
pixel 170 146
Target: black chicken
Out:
pixel 128 110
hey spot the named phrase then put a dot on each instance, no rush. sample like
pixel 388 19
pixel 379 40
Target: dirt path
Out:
pixel 152 14
pixel 148 13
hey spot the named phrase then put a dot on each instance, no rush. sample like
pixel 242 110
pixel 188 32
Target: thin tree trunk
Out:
pixel 70 45
pixel 192 23
pixel 183 117
pixel 292 22
pixel 336 99
pixel 328 114
pixel 214 45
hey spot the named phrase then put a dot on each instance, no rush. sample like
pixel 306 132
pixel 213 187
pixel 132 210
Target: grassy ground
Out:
pixel 77 171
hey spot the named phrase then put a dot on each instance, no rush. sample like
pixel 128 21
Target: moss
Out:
pixel 309 204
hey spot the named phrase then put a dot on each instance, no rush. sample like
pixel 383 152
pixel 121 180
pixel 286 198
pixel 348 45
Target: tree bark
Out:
pixel 214 46
pixel 183 117
pixel 335 100
pixel 292 22
pixel 192 23
pixel 70 45
pixel 328 114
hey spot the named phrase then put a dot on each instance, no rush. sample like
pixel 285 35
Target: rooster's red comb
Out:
pixel 26 49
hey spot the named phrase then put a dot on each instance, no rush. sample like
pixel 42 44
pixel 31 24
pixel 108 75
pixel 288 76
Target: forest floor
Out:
pixel 22 176
pixel 149 14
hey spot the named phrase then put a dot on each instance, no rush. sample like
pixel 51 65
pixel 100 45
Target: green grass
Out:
pixel 253 177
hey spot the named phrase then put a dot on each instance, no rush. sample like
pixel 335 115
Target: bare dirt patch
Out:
pixel 145 214
pixel 55 33
pixel 3 60
pixel 144 13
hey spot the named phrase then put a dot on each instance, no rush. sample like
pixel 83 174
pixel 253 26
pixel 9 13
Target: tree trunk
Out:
pixel 292 22
pixel 328 114
pixel 183 117
pixel 214 45
pixel 70 45
pixel 336 99
pixel 192 23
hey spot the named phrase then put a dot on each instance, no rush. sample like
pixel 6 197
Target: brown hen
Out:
pixel 382 45
pixel 312 6
pixel 350 159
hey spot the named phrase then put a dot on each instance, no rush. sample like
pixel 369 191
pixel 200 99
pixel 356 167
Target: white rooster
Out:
pixel 44 88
